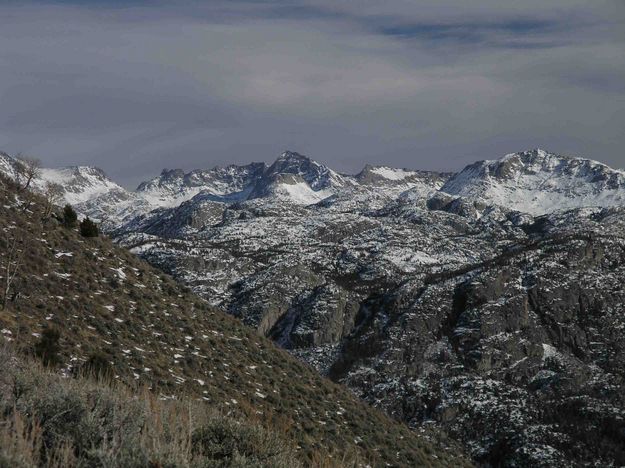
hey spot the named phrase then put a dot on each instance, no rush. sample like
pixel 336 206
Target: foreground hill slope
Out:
pixel 52 421
pixel 104 300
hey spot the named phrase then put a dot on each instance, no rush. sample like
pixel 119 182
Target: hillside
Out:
pixel 56 422
pixel 103 299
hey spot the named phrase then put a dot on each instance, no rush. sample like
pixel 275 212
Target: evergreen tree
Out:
pixel 70 218
pixel 88 228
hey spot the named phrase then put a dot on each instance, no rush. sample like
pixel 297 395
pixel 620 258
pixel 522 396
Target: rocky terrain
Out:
pixel 159 342
pixel 487 303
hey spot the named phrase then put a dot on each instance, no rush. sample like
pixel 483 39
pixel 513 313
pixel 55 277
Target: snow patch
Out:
pixel 390 173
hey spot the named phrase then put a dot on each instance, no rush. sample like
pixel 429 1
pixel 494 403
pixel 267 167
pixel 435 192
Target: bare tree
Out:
pixel 12 265
pixel 53 194
pixel 28 169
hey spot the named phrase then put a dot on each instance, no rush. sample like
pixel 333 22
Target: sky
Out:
pixel 136 86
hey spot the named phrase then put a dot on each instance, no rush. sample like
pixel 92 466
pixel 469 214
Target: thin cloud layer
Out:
pixel 135 86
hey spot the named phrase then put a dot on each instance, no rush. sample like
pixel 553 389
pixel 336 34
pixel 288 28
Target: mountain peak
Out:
pixel 292 162
pixel 92 173
pixel 539 182
pixel 541 161
pixel 535 153
pixel 297 164
pixel 172 173
pixel 533 156
pixel 293 155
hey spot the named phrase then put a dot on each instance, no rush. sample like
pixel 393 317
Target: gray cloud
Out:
pixel 434 84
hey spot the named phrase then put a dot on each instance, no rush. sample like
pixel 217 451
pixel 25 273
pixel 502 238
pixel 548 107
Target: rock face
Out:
pixel 509 336
pixel 521 357
pixel 488 303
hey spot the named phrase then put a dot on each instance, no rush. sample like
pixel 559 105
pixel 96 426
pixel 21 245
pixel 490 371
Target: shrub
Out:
pixel 231 443
pixel 98 365
pixel 47 348
pixel 47 420
pixel 88 228
pixel 70 218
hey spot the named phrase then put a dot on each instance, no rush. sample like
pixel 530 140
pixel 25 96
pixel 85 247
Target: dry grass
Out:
pixel 47 420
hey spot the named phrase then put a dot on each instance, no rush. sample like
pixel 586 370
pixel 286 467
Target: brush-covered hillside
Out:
pixel 111 308
pixel 56 422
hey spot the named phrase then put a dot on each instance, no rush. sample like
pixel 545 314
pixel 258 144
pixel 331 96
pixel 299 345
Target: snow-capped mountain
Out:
pixel 79 183
pixel 315 175
pixel 291 178
pixel 298 179
pixel 86 188
pixel 174 187
pixel 534 182
pixel 539 182
pixel 93 194
pixel 487 303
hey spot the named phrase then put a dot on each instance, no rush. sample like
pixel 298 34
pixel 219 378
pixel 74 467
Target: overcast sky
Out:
pixel 137 86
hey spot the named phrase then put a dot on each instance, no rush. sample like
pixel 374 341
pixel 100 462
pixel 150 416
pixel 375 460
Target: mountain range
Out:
pixel 534 182
pixel 486 304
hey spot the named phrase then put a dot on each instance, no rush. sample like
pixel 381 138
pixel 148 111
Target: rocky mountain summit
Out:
pixel 292 178
pixel 539 182
pixel 486 303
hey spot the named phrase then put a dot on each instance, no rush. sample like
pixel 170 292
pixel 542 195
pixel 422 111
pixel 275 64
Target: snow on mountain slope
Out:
pixel 535 182
pixel 392 182
pixel 298 179
pixel 93 194
pixel 539 182
pixel 80 183
pixel 8 165
pixel 300 192
pixel 390 174
pixel 173 187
